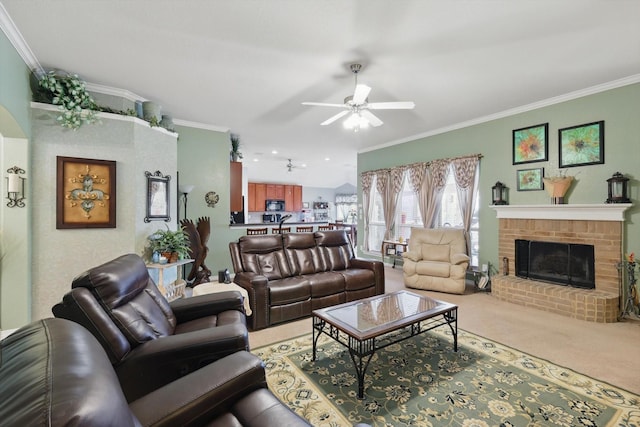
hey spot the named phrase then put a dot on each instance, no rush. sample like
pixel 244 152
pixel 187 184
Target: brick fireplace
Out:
pixel 597 225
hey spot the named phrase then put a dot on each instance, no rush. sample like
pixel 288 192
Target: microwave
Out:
pixel 274 205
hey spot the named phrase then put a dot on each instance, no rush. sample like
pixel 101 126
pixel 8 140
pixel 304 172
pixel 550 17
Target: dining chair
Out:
pixel 304 229
pixel 274 230
pixel 325 227
pixel 253 231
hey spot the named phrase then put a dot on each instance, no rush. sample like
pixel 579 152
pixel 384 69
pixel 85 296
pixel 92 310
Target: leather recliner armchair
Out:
pixel 437 260
pixel 149 341
pixel 54 373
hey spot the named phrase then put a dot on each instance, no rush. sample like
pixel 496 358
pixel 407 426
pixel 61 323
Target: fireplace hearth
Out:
pixel 567 264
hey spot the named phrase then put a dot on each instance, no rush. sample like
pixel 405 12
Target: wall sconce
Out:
pixel 185 190
pixel 499 194
pixel 15 187
pixel 618 189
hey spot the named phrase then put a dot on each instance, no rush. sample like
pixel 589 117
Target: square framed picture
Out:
pixel 86 193
pixel 531 144
pixel 530 179
pixel 581 145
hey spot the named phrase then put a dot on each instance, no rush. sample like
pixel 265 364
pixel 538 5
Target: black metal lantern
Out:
pixel 618 189
pixel 499 194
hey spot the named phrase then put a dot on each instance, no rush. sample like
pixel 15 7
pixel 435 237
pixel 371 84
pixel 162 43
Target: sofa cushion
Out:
pixel 326 283
pixel 264 255
pixel 302 253
pixel 289 290
pixel 358 278
pixel 433 268
pixel 335 249
pixel 431 252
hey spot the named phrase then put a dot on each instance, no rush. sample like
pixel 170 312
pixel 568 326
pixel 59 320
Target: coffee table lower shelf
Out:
pixel 362 350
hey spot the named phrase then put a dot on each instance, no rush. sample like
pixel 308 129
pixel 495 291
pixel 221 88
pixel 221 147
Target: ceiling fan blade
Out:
pixel 322 104
pixel 334 118
pixel 361 93
pixel 373 120
pixel 401 105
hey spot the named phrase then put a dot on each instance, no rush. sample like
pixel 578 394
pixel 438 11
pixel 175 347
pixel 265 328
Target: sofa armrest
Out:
pixel 203 395
pixel 257 287
pixel 457 259
pixel 186 309
pixel 159 362
pixel 412 255
pixel 378 271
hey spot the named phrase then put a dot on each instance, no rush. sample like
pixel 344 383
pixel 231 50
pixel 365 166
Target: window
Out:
pixel 408 215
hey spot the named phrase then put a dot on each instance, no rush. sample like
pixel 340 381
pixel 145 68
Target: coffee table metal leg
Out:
pixel 452 320
pixel 318 326
pixel 361 353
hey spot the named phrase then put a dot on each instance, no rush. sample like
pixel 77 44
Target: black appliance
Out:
pixel 274 205
pixel 271 217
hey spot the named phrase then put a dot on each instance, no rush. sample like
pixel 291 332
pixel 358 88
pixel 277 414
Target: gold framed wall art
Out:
pixel 85 193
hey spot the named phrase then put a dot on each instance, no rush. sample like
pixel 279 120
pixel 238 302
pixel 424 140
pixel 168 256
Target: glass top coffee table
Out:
pixel 369 324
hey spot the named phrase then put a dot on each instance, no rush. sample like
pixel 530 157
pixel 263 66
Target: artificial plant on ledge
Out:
pixel 70 93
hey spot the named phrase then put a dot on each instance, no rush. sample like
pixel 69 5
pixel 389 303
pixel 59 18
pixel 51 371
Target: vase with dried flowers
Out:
pixel 557 186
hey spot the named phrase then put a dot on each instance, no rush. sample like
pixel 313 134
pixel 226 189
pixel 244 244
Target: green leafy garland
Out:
pixel 70 93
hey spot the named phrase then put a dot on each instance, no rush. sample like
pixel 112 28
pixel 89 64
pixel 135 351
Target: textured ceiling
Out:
pixel 248 65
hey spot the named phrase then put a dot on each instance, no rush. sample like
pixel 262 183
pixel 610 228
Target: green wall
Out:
pixel 15 230
pixel 493 139
pixel 15 93
pixel 203 161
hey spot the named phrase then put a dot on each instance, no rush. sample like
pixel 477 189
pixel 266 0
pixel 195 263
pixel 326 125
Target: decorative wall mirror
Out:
pixel 157 197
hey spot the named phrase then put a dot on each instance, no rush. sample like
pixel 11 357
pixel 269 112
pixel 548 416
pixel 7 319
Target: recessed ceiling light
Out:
pixel 255 160
pixel 327 158
pixel 274 152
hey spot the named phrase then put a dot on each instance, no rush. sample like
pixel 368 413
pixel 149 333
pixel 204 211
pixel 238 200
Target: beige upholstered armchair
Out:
pixel 436 260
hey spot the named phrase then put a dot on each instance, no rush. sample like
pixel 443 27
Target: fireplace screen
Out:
pixel 562 263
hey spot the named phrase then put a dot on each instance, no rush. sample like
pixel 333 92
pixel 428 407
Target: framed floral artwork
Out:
pixel 581 145
pixel 530 179
pixel 86 193
pixel 530 144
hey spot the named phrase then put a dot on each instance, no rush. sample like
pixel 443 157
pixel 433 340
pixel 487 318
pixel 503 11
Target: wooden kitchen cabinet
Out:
pixel 297 198
pixel 251 195
pixel 261 197
pixel 288 198
pixel 235 190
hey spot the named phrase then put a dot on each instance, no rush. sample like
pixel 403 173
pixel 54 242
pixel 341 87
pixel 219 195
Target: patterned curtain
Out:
pixel 389 185
pixel 466 177
pixel 367 202
pixel 433 187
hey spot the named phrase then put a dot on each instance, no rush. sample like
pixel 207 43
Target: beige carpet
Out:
pixel 607 352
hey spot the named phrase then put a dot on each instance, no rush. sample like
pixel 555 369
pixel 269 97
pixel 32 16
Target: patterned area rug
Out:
pixel 422 382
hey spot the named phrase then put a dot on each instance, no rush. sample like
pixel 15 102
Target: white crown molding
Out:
pixel 15 37
pixel 626 81
pixel 114 91
pixel 598 212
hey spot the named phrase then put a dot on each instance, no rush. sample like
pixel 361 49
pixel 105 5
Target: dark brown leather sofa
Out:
pixel 287 276
pixel 54 373
pixel 149 341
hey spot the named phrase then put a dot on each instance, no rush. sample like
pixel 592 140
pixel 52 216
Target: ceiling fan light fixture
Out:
pixel 356 122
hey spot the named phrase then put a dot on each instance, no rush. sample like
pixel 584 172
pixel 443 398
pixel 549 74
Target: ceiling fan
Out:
pixel 290 166
pixel 358 105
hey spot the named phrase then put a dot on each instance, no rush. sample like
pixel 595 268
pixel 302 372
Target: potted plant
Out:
pixel 173 245
pixel 235 147
pixel 70 94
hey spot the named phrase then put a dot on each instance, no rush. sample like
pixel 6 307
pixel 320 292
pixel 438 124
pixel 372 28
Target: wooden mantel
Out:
pixel 599 212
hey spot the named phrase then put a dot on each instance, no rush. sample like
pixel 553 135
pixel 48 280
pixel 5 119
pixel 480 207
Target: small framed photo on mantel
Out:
pixel 530 179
